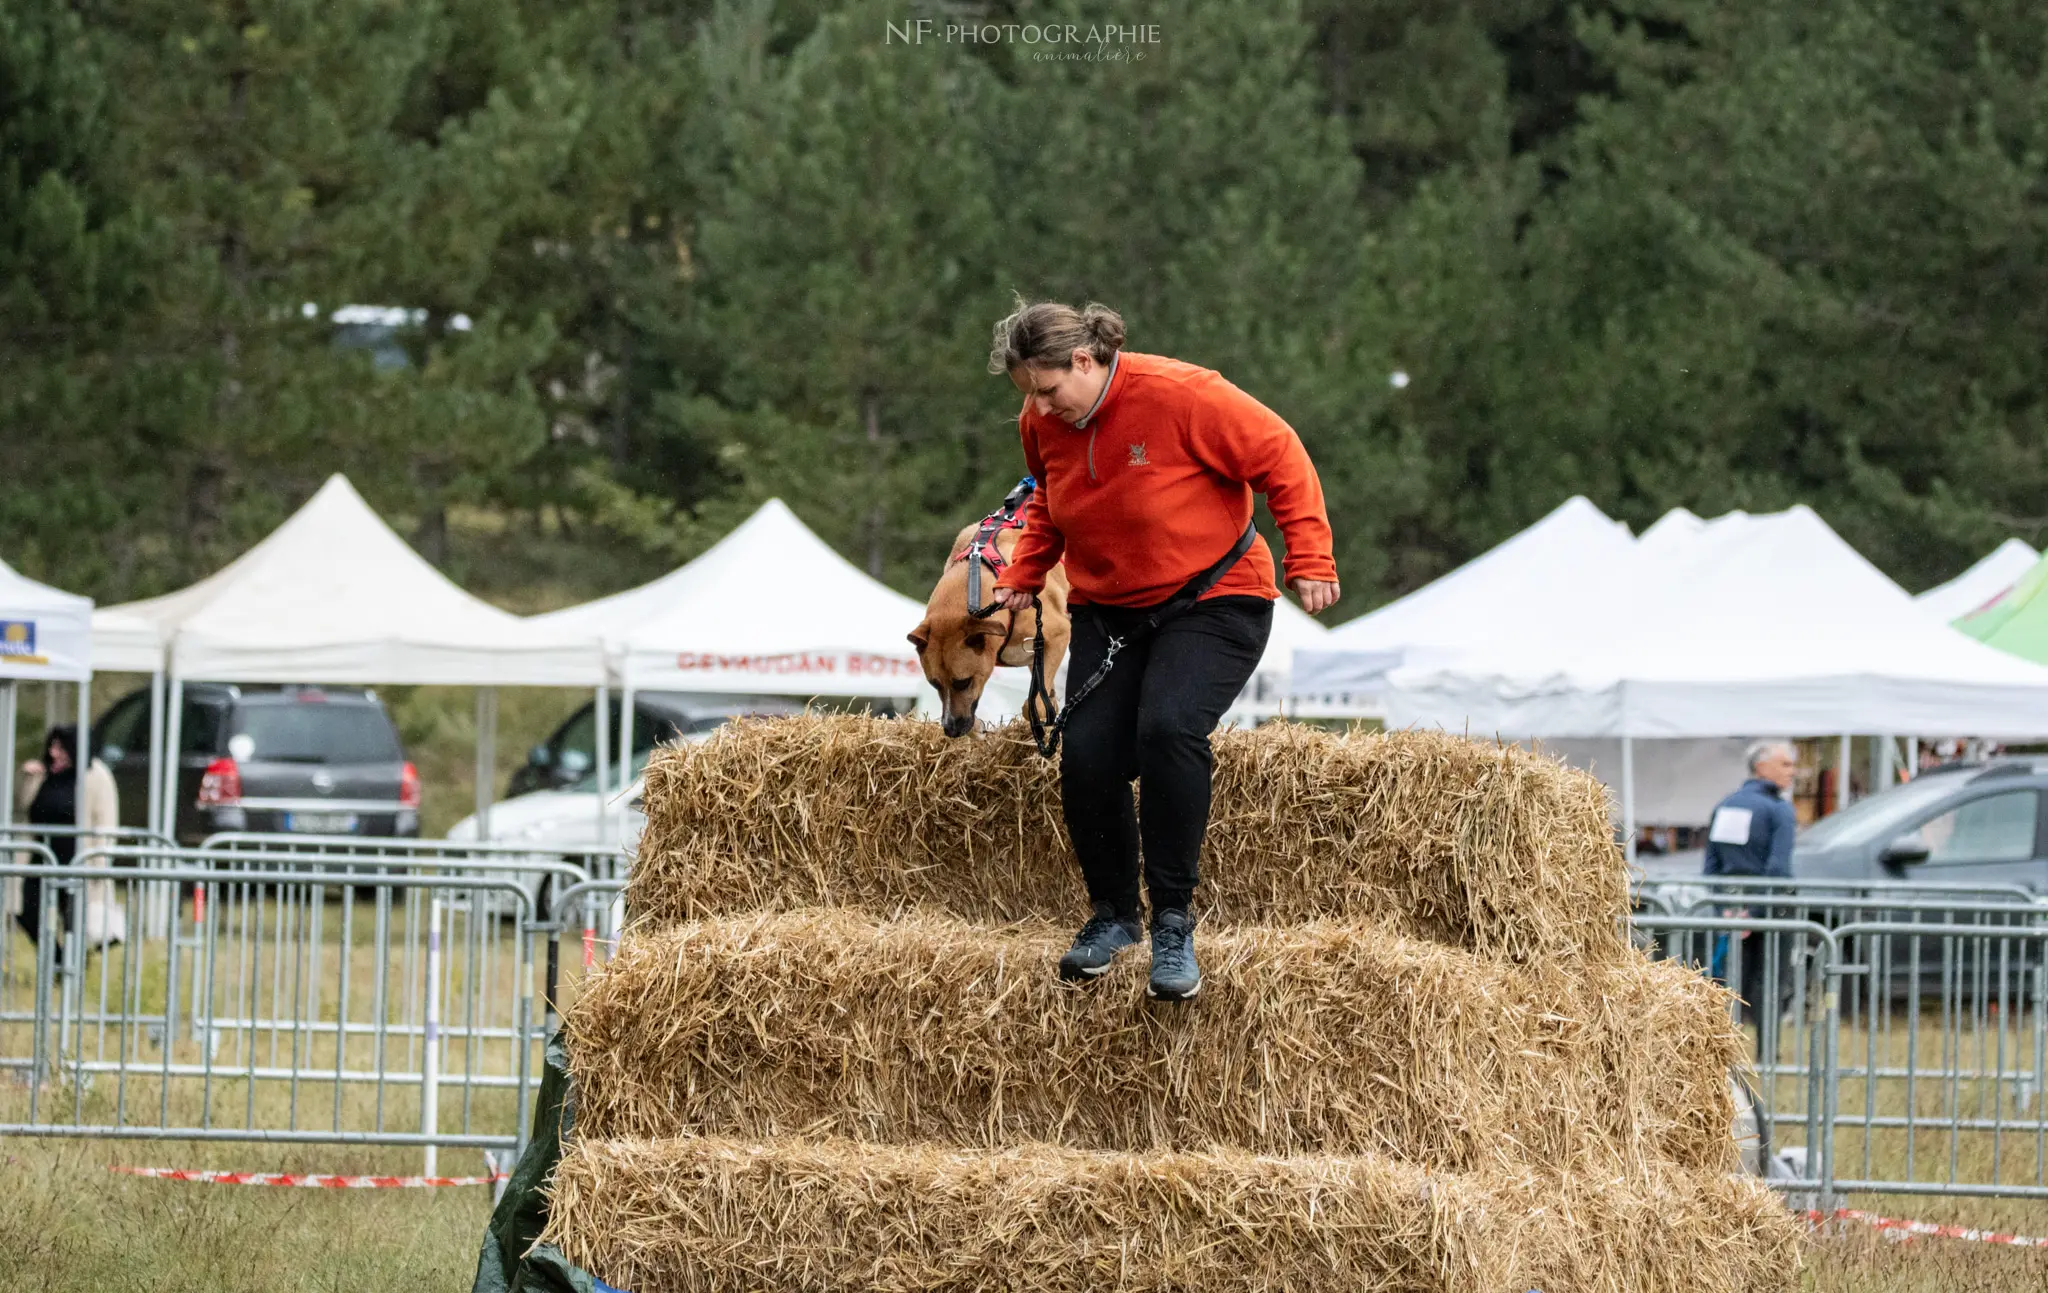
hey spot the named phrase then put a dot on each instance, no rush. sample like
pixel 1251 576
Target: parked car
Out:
pixel 563 816
pixel 1978 824
pixel 313 760
pixel 1958 824
pixel 570 754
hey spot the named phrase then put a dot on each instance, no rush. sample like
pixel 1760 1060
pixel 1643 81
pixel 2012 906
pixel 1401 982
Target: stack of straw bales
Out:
pixel 832 1052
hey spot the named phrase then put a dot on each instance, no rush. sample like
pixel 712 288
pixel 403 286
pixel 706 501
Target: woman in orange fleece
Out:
pixel 1146 468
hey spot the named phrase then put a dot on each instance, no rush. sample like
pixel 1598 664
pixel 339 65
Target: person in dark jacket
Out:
pixel 1750 834
pixel 1751 830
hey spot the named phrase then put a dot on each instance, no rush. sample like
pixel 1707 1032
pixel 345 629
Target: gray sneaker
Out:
pixel 1175 976
pixel 1096 946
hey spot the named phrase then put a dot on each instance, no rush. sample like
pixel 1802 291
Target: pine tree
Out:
pixel 299 159
pixel 75 258
pixel 845 259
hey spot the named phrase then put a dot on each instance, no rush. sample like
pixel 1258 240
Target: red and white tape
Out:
pixel 316 1182
pixel 1900 1226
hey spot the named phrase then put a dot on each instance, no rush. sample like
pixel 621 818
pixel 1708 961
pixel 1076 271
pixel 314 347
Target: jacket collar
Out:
pixel 1768 787
pixel 1107 387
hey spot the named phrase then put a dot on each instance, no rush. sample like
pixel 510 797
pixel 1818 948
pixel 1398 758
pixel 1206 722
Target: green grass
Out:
pixel 70 1224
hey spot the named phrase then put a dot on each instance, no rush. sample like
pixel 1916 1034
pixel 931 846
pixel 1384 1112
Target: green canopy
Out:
pixel 2015 621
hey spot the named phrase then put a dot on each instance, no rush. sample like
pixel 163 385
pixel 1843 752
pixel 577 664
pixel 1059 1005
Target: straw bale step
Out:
pixel 1322 1037
pixel 721 1216
pixel 1490 849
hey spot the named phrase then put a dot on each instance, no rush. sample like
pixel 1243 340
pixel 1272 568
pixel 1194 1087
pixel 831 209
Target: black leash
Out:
pixel 1046 734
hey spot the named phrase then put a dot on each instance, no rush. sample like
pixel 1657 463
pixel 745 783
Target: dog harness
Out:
pixel 981 549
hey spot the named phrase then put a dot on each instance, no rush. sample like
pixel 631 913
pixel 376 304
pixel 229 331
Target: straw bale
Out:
pixel 699 1215
pixel 1324 1037
pixel 1478 846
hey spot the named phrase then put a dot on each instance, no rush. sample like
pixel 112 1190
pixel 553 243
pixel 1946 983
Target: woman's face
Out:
pixel 60 758
pixel 1063 393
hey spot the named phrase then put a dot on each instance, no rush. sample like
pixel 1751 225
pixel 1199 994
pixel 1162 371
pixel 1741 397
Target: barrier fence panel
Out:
pixel 284 1001
pixel 1942 1050
pixel 1794 1049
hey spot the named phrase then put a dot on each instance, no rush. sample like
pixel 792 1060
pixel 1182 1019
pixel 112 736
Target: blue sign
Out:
pixel 17 638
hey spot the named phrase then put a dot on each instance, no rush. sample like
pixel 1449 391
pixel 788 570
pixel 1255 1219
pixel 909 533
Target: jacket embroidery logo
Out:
pixel 1138 454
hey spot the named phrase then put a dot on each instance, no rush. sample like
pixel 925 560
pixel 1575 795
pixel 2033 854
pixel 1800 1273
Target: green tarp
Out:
pixel 509 1262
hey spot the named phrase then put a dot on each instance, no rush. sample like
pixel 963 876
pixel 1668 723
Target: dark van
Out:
pixel 309 760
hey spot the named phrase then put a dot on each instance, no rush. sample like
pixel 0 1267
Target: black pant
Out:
pixel 30 917
pixel 1150 719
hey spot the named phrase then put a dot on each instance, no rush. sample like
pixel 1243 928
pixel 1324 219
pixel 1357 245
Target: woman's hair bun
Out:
pixel 1104 324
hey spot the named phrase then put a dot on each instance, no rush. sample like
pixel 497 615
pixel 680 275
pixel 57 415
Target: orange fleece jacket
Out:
pixel 1158 484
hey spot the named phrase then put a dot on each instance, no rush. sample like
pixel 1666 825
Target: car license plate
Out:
pixel 321 823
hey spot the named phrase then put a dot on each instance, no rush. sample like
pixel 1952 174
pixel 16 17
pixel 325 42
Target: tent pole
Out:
pixel 50 710
pixel 1912 757
pixel 156 746
pixel 1842 769
pixel 1881 764
pixel 1628 799
pixel 625 755
pixel 8 691
pixel 83 756
pixel 604 752
pixel 173 739
pixel 486 762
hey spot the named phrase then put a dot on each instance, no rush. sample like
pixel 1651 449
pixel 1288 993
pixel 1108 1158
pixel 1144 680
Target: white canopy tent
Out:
pixel 124 643
pixel 769 610
pixel 334 596
pixel 1744 625
pixel 1995 572
pixel 1561 571
pixel 45 636
pixel 1765 624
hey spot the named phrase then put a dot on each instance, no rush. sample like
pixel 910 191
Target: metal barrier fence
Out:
pixel 285 1005
pixel 289 988
pixel 399 993
pixel 1907 1049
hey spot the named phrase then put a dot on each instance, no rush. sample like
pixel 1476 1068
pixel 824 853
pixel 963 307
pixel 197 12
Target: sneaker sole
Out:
pixel 1085 973
pixel 1157 995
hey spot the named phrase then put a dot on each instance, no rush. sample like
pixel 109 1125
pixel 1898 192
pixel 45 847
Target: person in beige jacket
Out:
pixel 47 795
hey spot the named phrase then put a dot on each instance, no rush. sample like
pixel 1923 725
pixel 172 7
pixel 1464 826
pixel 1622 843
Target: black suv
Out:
pixel 313 760
pixel 658 717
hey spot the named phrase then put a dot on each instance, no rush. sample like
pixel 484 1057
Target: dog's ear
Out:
pixel 976 641
pixel 921 636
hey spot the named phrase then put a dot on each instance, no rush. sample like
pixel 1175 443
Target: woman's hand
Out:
pixel 1013 600
pixel 1316 594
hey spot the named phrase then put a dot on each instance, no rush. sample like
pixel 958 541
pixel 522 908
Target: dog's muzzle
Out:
pixel 958 724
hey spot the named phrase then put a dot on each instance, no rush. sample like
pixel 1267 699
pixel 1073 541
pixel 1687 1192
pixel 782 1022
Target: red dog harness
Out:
pixel 981 549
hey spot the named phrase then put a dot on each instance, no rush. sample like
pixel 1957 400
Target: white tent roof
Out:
pixel 1742 625
pixel 1560 571
pixel 771 610
pixel 1997 571
pixel 334 596
pixel 45 633
pixel 124 643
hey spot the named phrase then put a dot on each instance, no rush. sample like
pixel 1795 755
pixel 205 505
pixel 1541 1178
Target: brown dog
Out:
pixel 959 652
